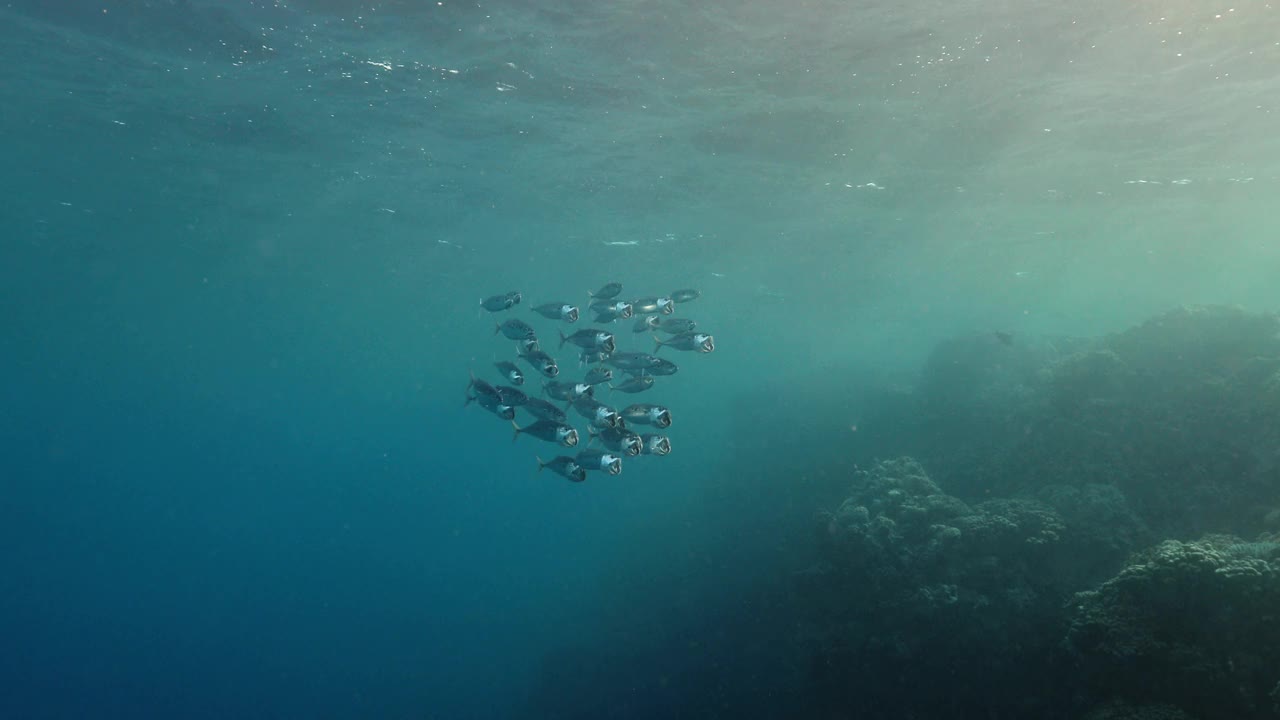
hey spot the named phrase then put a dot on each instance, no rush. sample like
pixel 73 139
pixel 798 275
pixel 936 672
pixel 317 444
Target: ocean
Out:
pixel 1031 246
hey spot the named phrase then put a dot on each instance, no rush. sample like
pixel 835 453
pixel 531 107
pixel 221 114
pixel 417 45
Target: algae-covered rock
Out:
pixel 1196 624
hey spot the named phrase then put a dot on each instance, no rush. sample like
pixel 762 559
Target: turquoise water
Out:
pixel 244 242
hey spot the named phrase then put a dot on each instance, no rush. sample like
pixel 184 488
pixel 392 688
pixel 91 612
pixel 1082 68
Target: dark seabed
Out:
pixel 991 429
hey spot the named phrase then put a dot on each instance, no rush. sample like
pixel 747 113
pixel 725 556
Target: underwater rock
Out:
pixel 1196 624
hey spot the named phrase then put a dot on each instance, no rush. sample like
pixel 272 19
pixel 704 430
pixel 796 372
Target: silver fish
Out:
pixel 634 384
pixel 686 295
pixel 590 339
pixel 661 367
pixel 600 460
pixel 544 410
pixel 548 430
pixel 496 406
pixel 647 414
pixel 633 360
pixel 621 440
pixel 678 326
pixel 654 444
pixel 608 292
pixel 610 311
pixel 646 323
pixel 567 391
pixel 482 390
pixel 527 345
pixel 653 305
pixel 513 374
pixel 558 311
pixel 541 362
pixel 592 357
pixel 597 375
pixel 511 396
pixel 498 303
pixel 565 467
pixel 596 412
pixel 514 329
pixel 695 341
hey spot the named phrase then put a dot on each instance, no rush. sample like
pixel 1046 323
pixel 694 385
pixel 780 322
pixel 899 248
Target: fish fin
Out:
pixel 657 344
pixel 497 328
pixel 562 338
pixel 540 463
pixel 516 435
pixel 591 435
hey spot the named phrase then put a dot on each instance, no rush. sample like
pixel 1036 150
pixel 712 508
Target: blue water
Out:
pixel 243 244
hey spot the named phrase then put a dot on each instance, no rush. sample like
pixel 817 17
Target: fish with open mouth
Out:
pixel 692 341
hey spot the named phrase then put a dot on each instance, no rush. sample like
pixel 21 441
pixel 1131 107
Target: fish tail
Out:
pixel 591 435
pixel 657 344
pixel 562 337
pixel 516 435
pixel 540 463
pixel 497 328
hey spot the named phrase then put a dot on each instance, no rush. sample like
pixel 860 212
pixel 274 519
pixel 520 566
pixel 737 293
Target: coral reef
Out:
pixel 1181 414
pixel 914 583
pixel 1192 623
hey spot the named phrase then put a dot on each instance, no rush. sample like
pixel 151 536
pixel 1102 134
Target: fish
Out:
pixel 557 311
pixel 646 323
pixel 632 360
pixel 511 396
pixel 597 375
pixel 610 311
pixel 514 329
pixel 596 412
pixel 653 305
pixel 608 291
pixel 567 391
pixel 685 295
pixel 496 406
pixel 635 384
pixel 647 414
pixel 599 460
pixel 697 342
pixel 661 367
pixel 654 444
pixel 544 410
pixel 1004 337
pixel 513 374
pixel 527 345
pixel 564 466
pixel 623 441
pixel 542 362
pixel 548 430
pixel 592 357
pixel 482 389
pixel 590 339
pixel 497 303
pixel 678 326
pixel 514 297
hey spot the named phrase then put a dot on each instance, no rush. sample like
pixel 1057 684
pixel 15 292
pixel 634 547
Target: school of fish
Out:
pixel 601 365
